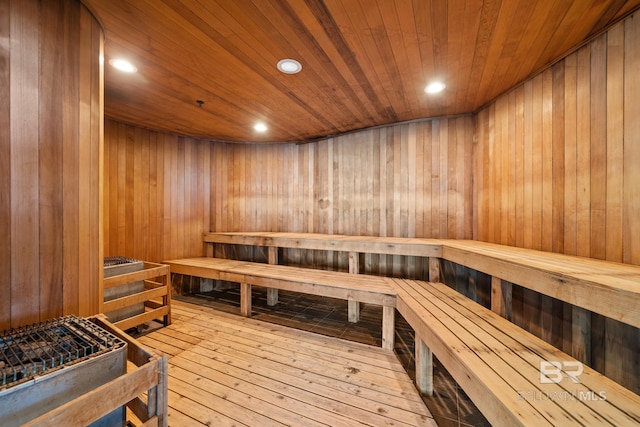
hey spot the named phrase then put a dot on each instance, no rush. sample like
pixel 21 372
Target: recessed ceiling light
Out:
pixel 123 65
pixel 260 127
pixel 435 87
pixel 289 66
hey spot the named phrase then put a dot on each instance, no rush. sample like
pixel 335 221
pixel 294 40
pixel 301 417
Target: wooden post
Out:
pixel 581 335
pixel 245 299
pixel 354 262
pixel 165 279
pixel 424 367
pixel 434 269
pixel 162 395
pixel 272 293
pixel 388 326
pixel 354 268
pixel 501 296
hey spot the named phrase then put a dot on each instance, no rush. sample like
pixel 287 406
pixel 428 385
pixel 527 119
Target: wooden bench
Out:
pixel 496 362
pixel 499 364
pixel 607 288
pixel 350 287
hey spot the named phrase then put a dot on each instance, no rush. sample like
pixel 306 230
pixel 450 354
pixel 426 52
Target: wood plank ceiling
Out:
pixel 365 62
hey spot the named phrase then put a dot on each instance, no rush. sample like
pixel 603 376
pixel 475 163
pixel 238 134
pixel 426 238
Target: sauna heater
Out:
pixel 45 365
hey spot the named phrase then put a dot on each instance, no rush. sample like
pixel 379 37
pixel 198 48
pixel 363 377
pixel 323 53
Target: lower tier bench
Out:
pixel 350 287
pixel 513 377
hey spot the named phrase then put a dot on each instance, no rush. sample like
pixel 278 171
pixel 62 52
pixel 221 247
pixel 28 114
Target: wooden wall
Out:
pixel 557 163
pixel 557 168
pixel 51 87
pixel 157 193
pixel 163 191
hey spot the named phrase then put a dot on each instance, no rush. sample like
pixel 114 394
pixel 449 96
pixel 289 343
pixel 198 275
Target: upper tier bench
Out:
pixel 350 287
pixel 607 288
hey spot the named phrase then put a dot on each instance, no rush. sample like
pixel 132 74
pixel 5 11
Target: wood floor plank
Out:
pixel 227 370
pixel 305 343
pixel 358 351
pixel 193 412
pixel 344 383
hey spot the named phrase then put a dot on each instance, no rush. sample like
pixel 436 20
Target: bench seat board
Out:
pixel 498 364
pixel 350 287
pixel 363 288
pixel 607 288
pixel 610 289
pixel 332 242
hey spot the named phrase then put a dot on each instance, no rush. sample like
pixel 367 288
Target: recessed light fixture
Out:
pixel 260 127
pixel 123 65
pixel 435 87
pixel 289 66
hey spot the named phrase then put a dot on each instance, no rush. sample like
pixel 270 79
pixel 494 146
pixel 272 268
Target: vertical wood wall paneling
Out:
pixel 631 243
pixel 90 88
pixel 5 167
pixel 598 167
pixel 631 175
pixel 583 155
pixel 159 196
pixel 615 144
pixel 578 140
pixel 50 150
pixel 71 163
pixel 50 161
pixel 24 101
pixel 389 181
pixel 580 177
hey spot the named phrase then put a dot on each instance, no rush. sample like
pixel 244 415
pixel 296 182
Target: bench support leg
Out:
pixel 434 269
pixel 501 296
pixel 245 299
pixel 354 311
pixel 272 296
pixel 388 327
pixel 424 367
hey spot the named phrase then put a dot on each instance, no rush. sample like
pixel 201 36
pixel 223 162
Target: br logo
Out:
pixel 555 372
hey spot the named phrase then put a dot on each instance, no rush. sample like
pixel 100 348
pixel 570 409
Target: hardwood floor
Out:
pixel 226 370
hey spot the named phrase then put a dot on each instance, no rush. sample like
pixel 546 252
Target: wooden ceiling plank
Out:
pixel 251 64
pixel 508 63
pixel 247 91
pixel 488 21
pixel 366 61
pixel 500 35
pixel 326 85
pixel 330 26
pixel 470 26
pixel 399 41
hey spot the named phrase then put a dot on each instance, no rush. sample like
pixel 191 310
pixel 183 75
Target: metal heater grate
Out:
pixel 33 350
